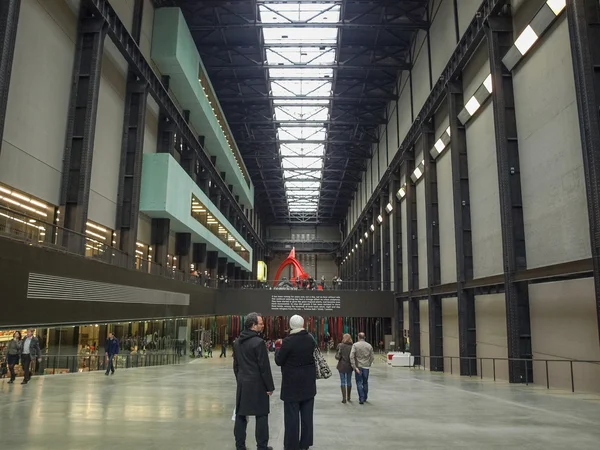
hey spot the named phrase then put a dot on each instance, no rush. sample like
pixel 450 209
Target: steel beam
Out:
pixel 377 235
pixel 434 302
pixel 132 148
pixel 387 244
pixel 413 258
pixel 346 142
pixel 342 25
pixel 9 19
pixel 304 123
pixel 81 128
pixel 467 337
pixel 584 34
pixel 308 98
pixel 500 39
pixel 137 62
pixel 340 66
pixel 399 281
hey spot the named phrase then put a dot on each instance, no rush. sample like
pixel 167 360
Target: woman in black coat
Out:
pixel 344 367
pixel 298 385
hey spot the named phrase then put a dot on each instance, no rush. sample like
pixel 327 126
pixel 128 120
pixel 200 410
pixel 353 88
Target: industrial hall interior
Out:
pixel 212 209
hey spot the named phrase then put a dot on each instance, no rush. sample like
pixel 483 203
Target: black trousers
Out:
pixel 298 420
pixel 261 432
pixel 26 364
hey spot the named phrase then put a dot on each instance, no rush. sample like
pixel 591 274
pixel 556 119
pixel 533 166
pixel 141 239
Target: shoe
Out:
pixel 361 402
pixel 343 394
pixel 23 382
pixel 113 372
pixel 106 373
pixel 10 382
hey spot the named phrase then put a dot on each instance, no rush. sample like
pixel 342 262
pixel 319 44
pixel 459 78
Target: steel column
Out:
pixel 434 302
pixel 500 38
pixel 81 128
pixel 584 33
pixel 160 240
pixel 399 282
pixel 467 338
pixel 9 19
pixel 377 235
pixel 387 246
pixel 413 258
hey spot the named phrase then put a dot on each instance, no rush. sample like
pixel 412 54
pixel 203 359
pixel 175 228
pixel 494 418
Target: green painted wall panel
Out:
pixel 167 193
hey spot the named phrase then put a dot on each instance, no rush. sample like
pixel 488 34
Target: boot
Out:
pixel 348 390
pixel 343 394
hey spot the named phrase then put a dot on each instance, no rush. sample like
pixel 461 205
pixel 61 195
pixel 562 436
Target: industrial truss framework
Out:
pixel 305 87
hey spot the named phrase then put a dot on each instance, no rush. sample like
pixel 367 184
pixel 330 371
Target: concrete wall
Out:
pixel 38 100
pixel 554 198
pixel 450 333
pixel 443 34
pixel 564 326
pixel 490 322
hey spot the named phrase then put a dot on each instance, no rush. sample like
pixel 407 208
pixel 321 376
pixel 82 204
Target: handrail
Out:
pixel 421 359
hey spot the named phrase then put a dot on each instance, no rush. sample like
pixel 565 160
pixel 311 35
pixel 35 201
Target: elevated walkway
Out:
pixel 190 406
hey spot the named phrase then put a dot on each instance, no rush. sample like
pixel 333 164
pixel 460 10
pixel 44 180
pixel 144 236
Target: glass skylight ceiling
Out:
pixel 305 57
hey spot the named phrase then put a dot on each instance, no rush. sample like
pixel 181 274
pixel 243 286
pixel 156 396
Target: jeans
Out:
pixel 362 384
pixel 346 379
pixel 109 364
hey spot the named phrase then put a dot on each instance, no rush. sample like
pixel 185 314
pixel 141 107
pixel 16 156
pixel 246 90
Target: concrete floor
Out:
pixel 190 406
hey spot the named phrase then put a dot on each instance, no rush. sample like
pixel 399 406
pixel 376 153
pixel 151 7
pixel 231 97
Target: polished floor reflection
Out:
pixel 190 406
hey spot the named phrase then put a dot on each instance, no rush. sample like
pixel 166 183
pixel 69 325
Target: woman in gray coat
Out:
pixel 13 353
pixel 344 367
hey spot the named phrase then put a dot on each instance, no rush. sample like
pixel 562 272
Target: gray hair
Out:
pixel 251 320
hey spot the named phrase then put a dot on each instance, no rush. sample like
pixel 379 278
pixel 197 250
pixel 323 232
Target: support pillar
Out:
pixel 132 151
pixel 399 282
pixel 183 250
pixel 83 109
pixel 199 257
pixel 9 19
pixel 413 259
pixel 467 334
pixel 211 265
pixel 377 235
pixel 221 267
pixel 500 38
pixel 584 34
pixel 160 240
pixel 166 128
pixel 434 302
pixel 387 249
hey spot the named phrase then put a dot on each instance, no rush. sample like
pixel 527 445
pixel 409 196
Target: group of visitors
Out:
pixel 26 350
pixel 296 356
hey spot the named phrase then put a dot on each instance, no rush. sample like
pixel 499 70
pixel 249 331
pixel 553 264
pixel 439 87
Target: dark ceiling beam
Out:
pixel 397 66
pixel 308 142
pixel 404 26
pixel 340 99
pixel 300 123
pixel 378 3
pixel 250 45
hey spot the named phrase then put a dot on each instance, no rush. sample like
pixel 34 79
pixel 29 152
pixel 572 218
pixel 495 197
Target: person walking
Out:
pixel 30 351
pixel 223 349
pixel 344 367
pixel 111 349
pixel 255 384
pixel 13 353
pixel 298 385
pixel 361 358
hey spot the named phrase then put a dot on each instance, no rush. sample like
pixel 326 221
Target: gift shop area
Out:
pixel 423 171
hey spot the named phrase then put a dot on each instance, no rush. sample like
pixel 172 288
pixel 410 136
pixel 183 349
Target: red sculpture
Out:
pixel 298 271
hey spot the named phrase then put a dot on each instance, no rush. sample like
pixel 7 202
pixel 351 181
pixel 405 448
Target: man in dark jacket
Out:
pixel 298 385
pixel 111 348
pixel 254 383
pixel 30 351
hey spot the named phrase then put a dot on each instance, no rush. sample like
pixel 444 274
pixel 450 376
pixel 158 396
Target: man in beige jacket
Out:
pixel 361 358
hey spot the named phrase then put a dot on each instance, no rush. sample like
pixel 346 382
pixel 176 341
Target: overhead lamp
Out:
pixel 482 93
pixel 379 219
pixel 361 241
pixel 372 227
pixel 389 208
pixel 366 235
pixel 356 245
pixel 441 144
pixel 352 250
pixel 418 172
pixel 401 192
pixel 540 23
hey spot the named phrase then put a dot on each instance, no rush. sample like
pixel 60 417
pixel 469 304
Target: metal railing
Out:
pixel 60 364
pixel 476 366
